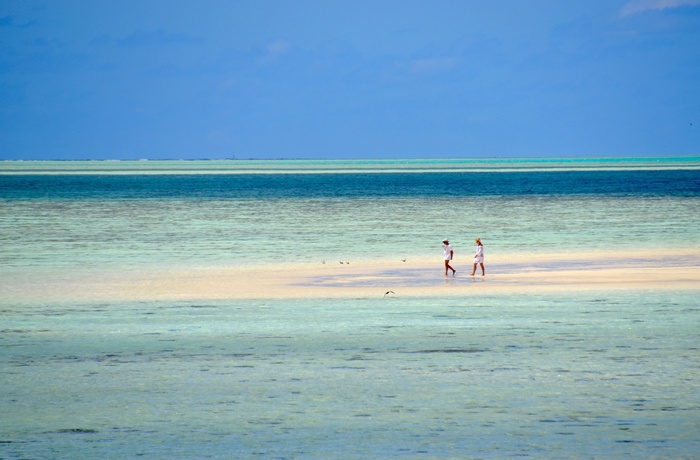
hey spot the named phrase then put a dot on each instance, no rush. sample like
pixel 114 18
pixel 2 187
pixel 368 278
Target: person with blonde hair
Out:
pixel 479 257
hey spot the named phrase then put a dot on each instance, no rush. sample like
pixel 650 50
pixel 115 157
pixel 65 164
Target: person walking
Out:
pixel 447 255
pixel 479 257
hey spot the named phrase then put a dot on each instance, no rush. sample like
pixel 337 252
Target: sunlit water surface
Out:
pixel 569 375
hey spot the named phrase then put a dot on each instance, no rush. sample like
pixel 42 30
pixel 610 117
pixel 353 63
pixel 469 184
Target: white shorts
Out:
pixel 479 259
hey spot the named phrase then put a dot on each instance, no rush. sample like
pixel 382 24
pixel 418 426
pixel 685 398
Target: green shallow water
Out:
pixel 180 233
pixel 571 375
pixel 589 375
pixel 218 213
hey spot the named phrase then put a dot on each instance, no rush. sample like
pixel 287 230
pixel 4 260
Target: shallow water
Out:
pixel 590 375
pixel 570 375
pixel 67 215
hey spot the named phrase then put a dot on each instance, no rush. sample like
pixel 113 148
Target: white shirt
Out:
pixel 448 252
pixel 479 256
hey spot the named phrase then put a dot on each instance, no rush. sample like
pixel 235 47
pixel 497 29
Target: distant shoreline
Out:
pixel 344 166
pixel 380 159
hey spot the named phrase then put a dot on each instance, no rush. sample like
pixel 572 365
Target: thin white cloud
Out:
pixel 157 38
pixel 433 65
pixel 278 47
pixel 639 6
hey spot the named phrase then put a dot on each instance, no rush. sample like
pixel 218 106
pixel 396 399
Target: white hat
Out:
pixel 445 240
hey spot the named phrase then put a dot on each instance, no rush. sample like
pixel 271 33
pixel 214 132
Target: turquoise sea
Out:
pixel 590 374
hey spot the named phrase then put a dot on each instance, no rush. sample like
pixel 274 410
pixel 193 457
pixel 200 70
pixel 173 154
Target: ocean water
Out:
pixel 141 214
pixel 608 374
pixel 539 376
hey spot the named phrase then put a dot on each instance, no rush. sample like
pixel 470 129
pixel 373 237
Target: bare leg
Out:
pixel 474 270
pixel 483 271
pixel 448 267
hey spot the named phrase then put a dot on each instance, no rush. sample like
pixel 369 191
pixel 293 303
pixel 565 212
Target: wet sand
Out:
pixel 677 270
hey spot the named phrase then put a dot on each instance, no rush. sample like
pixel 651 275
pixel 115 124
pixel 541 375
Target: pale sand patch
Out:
pixel 506 274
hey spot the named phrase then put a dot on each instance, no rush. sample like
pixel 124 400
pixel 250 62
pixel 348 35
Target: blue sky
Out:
pixel 104 79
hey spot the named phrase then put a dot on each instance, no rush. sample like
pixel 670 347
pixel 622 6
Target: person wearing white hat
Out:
pixel 447 255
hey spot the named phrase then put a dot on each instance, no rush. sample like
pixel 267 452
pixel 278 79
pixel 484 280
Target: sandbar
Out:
pixel 506 274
